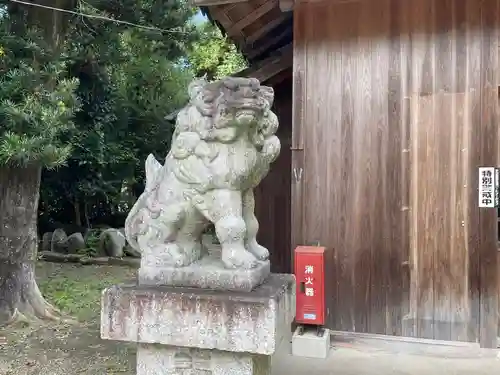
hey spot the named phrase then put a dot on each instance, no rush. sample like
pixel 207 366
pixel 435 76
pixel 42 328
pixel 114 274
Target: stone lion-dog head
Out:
pixel 228 108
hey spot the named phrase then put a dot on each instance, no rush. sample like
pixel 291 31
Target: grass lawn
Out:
pixel 59 348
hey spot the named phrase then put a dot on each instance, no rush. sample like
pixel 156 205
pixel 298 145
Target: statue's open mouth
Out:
pixel 246 115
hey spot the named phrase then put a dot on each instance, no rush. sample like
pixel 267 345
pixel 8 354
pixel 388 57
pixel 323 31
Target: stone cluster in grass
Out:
pixel 95 246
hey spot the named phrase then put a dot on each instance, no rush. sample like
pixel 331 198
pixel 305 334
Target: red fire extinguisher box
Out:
pixel 310 294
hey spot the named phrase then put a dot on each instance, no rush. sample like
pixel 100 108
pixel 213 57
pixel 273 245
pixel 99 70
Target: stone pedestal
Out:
pixel 207 272
pixel 198 331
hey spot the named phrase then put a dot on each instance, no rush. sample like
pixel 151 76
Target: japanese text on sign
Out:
pixel 309 270
pixel 488 187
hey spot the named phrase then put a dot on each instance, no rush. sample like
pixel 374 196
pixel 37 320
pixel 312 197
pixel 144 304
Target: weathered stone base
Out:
pixel 190 331
pixel 207 273
pixel 169 360
pixel 252 322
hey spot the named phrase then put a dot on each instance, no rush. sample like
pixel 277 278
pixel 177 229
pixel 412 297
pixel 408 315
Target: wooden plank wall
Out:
pixel 396 107
pixel 272 196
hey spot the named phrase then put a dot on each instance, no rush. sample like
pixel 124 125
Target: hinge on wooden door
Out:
pixel 313 243
pixel 297 174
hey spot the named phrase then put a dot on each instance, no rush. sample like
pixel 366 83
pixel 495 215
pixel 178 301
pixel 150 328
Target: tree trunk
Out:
pixel 78 214
pixel 20 298
pixel 86 215
pixel 54 23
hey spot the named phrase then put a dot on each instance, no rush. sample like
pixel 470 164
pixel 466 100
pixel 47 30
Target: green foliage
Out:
pixel 93 100
pixel 37 99
pixel 130 79
pixel 150 87
pixel 168 21
pixel 92 239
pixel 214 55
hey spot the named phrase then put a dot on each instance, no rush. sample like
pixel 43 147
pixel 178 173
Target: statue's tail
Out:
pixel 132 223
pixel 136 216
pixel 153 168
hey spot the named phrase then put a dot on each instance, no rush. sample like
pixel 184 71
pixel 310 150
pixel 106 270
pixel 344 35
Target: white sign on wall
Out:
pixel 488 187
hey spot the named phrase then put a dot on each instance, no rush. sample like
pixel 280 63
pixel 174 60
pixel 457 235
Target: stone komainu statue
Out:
pixel 222 147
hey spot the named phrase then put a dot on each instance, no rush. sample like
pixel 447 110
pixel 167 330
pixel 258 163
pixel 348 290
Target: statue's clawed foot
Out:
pixel 237 256
pixel 175 256
pixel 191 252
pixel 259 251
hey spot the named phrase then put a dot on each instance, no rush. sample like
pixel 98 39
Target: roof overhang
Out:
pixel 285 5
pixel 206 3
pixel 258 27
pixel 267 69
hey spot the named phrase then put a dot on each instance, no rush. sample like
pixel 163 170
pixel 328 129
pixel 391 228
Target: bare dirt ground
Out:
pixel 59 348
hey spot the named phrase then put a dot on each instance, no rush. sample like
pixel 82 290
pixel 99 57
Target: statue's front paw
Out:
pixel 238 257
pixel 260 252
pixel 174 256
pixel 271 148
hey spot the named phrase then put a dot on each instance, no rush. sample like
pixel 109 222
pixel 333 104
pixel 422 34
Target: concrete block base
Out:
pixel 170 360
pixel 307 343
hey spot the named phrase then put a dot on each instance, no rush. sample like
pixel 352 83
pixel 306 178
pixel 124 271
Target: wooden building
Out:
pixel 387 109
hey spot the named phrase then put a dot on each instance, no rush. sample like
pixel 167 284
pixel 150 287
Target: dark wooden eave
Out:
pixel 267 69
pixel 259 28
